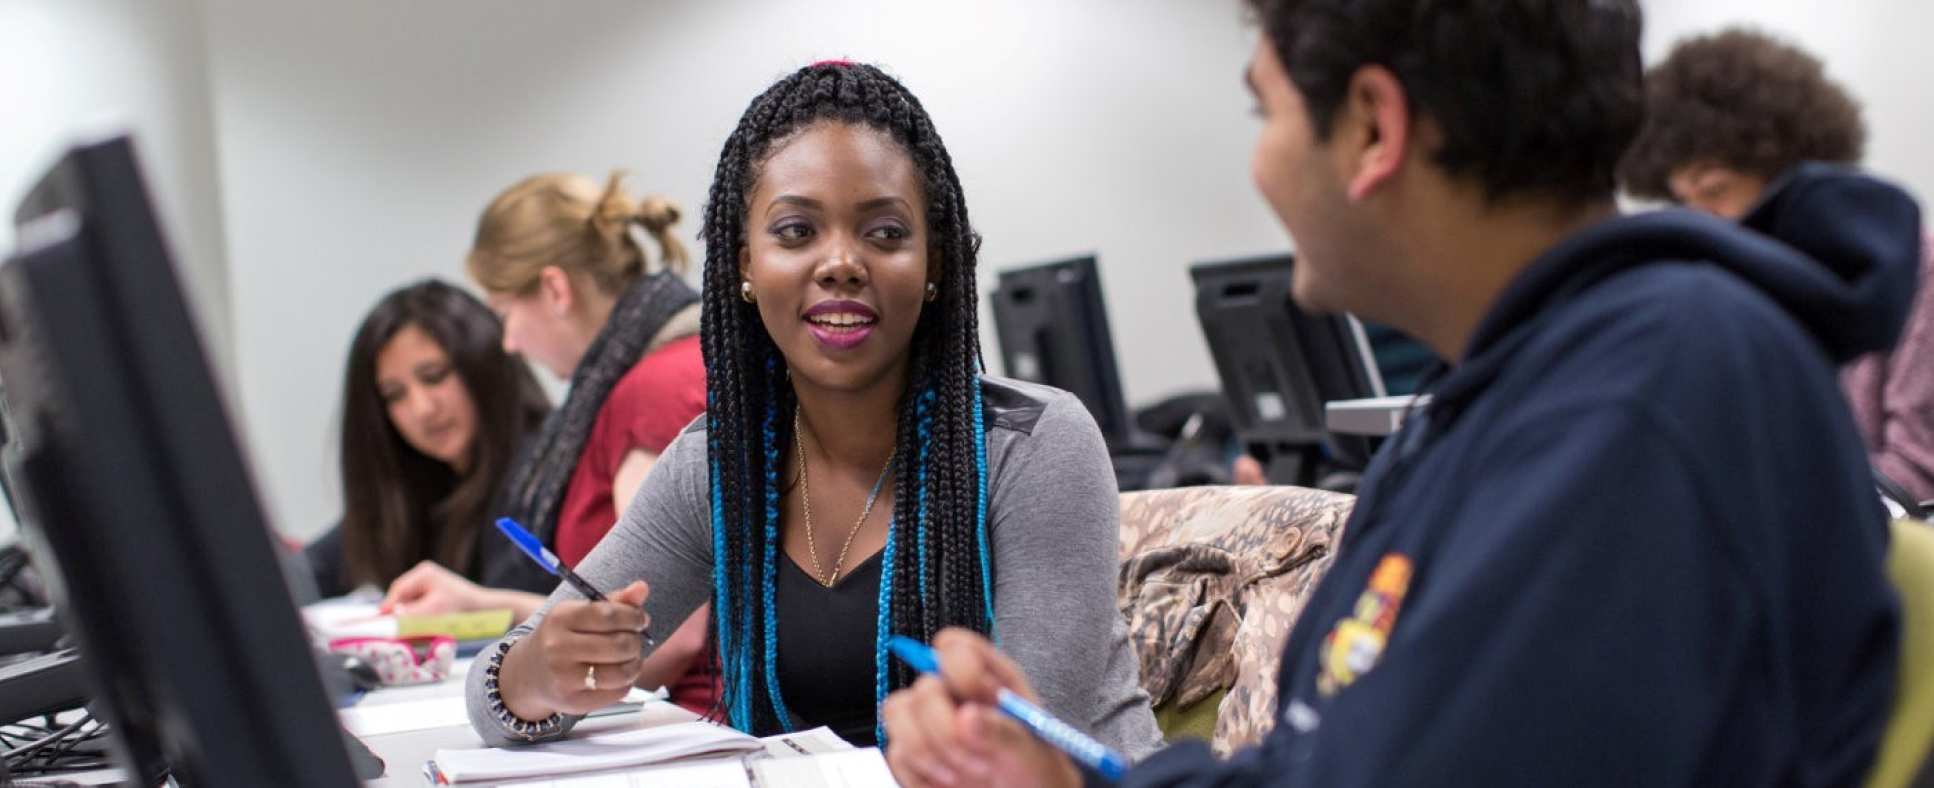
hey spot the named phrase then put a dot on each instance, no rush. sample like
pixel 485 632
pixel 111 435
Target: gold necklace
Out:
pixel 806 500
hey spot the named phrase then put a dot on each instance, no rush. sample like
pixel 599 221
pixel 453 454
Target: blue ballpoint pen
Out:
pixel 1084 750
pixel 552 564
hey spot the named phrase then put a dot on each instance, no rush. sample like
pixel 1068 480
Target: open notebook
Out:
pixel 345 618
pixel 679 754
pixel 847 769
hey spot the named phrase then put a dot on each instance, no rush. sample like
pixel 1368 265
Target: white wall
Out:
pixel 360 140
pixel 73 65
pixel 1877 48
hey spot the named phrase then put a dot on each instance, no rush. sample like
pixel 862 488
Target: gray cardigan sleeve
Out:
pixel 664 539
pixel 1055 528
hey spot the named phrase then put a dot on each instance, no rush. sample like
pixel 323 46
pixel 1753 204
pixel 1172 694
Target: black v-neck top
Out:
pixel 826 648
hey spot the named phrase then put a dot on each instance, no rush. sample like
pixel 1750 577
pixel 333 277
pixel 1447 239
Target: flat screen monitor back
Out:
pixel 1053 328
pixel 137 504
pixel 1280 364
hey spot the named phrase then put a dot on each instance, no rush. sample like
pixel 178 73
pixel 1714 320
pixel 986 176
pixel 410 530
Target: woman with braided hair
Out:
pixel 856 476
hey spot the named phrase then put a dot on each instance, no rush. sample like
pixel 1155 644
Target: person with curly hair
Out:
pixel 1728 116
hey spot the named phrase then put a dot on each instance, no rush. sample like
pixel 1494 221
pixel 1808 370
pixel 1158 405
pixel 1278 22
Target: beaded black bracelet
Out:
pixel 527 730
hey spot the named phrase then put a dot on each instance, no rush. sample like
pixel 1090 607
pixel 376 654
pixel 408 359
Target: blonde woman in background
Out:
pixel 559 259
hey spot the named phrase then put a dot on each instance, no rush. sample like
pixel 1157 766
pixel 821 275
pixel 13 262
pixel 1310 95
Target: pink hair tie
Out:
pixel 840 62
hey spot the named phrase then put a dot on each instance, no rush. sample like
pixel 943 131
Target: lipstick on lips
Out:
pixel 841 324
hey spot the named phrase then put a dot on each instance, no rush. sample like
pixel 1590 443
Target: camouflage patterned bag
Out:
pixel 1212 579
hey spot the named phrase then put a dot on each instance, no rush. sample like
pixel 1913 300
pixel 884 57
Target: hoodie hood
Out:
pixel 1837 250
pixel 1867 236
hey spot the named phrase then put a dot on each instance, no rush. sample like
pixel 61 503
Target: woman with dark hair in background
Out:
pixel 433 413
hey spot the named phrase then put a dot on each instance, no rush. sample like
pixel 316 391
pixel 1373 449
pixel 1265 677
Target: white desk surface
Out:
pixel 404 753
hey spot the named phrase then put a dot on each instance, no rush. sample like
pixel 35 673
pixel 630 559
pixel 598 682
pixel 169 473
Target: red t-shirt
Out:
pixel 656 399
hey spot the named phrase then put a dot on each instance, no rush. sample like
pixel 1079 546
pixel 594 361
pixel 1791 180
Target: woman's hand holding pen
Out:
pixel 944 730
pixel 583 656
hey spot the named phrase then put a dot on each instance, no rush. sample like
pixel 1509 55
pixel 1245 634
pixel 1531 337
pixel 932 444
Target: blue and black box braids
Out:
pixel 936 568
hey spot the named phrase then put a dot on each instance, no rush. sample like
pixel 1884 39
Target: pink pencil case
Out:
pixel 412 660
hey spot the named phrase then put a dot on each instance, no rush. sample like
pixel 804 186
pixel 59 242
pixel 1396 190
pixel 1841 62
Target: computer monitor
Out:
pixel 135 501
pixel 1280 364
pixel 1053 329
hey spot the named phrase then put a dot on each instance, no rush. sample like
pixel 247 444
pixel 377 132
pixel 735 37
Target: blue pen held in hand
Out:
pixel 1084 750
pixel 552 564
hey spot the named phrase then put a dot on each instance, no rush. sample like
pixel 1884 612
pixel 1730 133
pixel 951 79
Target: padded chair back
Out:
pixel 1907 748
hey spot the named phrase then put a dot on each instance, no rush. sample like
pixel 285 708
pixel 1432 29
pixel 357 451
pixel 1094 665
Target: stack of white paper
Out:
pixel 810 742
pixel 846 769
pixel 715 773
pixel 374 718
pixel 597 752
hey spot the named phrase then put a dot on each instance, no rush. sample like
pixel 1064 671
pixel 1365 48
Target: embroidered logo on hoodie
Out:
pixel 1356 643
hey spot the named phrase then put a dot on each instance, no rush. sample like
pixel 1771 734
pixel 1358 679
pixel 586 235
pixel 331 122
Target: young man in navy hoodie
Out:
pixel 1633 539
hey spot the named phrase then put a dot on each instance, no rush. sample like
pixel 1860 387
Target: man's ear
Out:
pixel 559 296
pixel 1372 130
